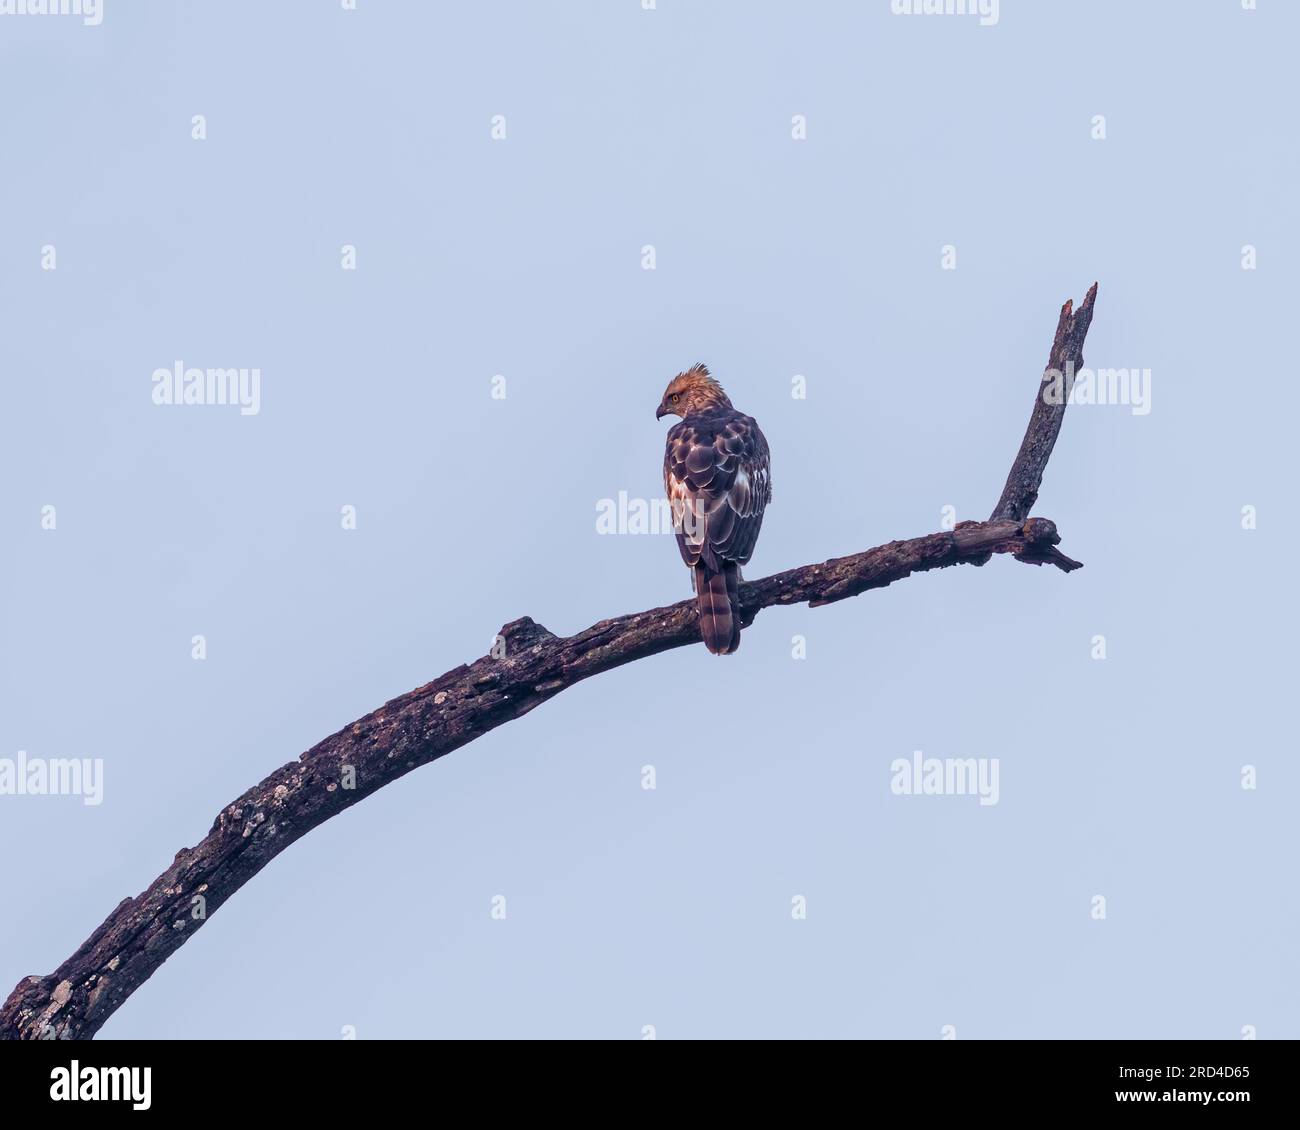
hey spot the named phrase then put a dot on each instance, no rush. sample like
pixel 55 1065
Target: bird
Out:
pixel 717 474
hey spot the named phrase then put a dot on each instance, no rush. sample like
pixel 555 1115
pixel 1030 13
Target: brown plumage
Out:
pixel 717 475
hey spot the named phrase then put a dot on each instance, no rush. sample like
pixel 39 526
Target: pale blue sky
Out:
pixel 775 257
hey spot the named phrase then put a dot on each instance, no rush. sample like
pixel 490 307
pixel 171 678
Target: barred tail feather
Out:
pixel 733 598
pixel 717 597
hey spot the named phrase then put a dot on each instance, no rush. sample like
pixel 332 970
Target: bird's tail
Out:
pixel 718 595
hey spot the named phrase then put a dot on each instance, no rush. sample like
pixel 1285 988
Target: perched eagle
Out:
pixel 717 478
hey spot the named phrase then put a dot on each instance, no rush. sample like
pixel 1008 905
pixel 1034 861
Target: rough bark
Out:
pixel 1066 358
pixel 532 665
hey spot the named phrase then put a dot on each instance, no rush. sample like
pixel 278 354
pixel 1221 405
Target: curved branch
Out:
pixel 534 665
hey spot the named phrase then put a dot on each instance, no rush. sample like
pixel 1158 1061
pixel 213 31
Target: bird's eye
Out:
pixel 675 397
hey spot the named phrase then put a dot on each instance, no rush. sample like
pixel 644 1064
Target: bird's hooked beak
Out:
pixel 660 412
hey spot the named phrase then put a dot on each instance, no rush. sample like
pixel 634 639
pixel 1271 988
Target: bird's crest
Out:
pixel 698 387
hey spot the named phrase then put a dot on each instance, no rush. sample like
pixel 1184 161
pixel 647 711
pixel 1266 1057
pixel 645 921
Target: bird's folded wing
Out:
pixel 717 479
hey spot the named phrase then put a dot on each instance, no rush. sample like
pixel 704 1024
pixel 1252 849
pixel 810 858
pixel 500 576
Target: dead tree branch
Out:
pixel 1066 358
pixel 76 999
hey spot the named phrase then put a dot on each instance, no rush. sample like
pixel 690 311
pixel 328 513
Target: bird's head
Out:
pixel 691 391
